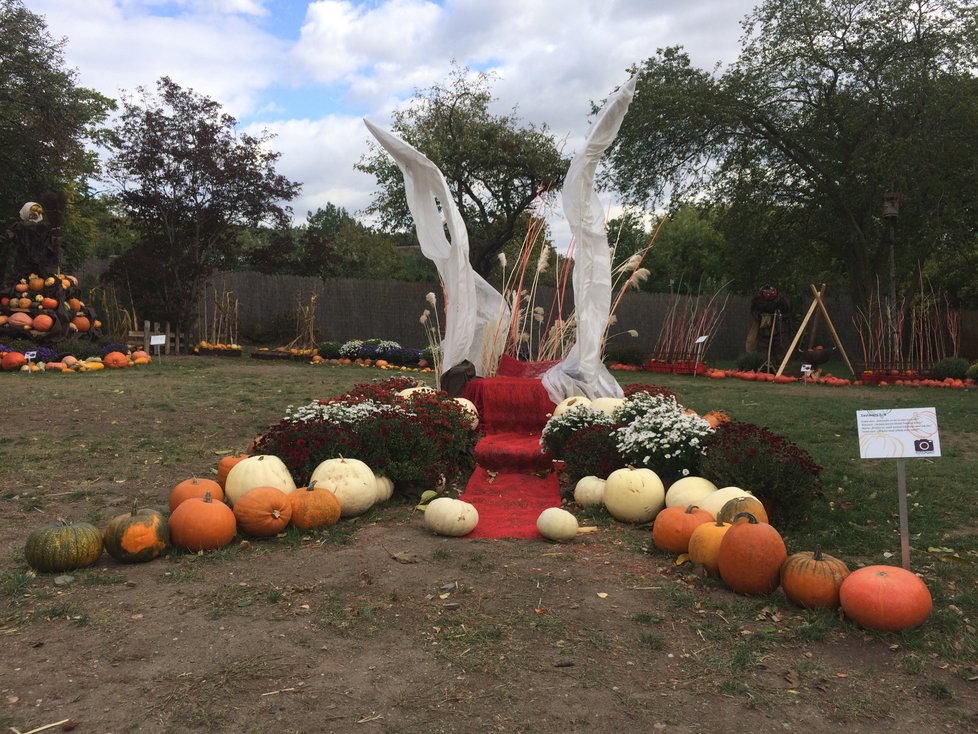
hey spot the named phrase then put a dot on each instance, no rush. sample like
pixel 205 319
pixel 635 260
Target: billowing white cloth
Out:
pixel 582 372
pixel 476 315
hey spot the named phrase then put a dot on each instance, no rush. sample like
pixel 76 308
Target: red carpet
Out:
pixel 513 482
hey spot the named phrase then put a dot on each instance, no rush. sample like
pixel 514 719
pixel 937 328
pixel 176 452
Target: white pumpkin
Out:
pixel 262 470
pixel 469 407
pixel 352 481
pixel 607 405
pixel 385 488
pixel 715 501
pixel 589 491
pixel 571 402
pixel 447 516
pixel 408 392
pixel 557 524
pixel 634 495
pixel 689 491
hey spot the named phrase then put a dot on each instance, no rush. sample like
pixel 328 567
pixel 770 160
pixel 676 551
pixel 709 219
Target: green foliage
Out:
pixel 329 350
pixel 187 181
pixel 750 361
pixel 47 123
pixel 497 165
pixel 828 106
pixel 775 470
pixel 954 367
pixel 972 373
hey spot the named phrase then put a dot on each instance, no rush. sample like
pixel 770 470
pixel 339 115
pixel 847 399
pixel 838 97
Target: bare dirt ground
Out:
pixel 379 626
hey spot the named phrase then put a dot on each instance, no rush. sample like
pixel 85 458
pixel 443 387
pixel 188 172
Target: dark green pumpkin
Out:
pixel 136 536
pixel 63 546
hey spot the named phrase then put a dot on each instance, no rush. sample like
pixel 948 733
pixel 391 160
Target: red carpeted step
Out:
pixel 515 452
pixel 509 503
pixel 510 404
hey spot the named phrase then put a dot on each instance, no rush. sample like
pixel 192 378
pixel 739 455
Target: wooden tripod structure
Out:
pixel 819 304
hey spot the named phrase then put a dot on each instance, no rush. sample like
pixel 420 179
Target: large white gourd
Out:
pixel 409 391
pixel 607 405
pixel 571 402
pixel 557 524
pixel 715 501
pixel 447 516
pixel 589 491
pixel 689 491
pixel 471 411
pixel 634 495
pixel 263 470
pixel 352 481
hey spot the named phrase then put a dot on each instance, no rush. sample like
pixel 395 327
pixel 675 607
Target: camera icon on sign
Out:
pixel 923 446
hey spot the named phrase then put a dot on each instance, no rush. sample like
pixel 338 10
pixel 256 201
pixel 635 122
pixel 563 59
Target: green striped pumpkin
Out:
pixel 63 546
pixel 136 536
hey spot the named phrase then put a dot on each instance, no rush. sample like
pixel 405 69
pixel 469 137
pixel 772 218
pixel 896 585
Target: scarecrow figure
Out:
pixel 33 242
pixel 770 317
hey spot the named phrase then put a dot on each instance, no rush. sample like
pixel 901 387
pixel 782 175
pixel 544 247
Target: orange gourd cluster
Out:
pixel 749 556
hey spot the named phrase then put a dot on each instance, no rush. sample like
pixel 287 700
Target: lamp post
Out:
pixel 891 209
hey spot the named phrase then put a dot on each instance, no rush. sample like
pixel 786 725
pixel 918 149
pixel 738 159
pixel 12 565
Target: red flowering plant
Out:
pixel 635 387
pixel 592 451
pixel 413 441
pixel 775 470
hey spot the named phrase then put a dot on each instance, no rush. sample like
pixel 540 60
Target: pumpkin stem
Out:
pixel 134 503
pixel 750 518
pixel 207 497
pixel 817 555
pixel 312 485
pixel 690 508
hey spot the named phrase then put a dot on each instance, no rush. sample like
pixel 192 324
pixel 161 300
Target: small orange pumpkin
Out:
pixel 49 303
pixel 811 579
pixel 202 524
pixel 82 323
pixel 314 507
pixel 226 464
pixel 36 283
pixel 195 487
pixel 74 304
pixel 674 525
pixel 704 545
pixel 21 287
pixel 263 511
pixel 139 354
pixel 751 556
pixel 115 360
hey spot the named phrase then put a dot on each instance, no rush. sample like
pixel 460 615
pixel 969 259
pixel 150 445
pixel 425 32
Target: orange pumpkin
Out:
pixel 751 556
pixel 739 505
pixel 885 598
pixel 811 579
pixel 49 303
pixel 139 354
pixel 82 323
pixel 704 545
pixel 195 487
pixel 21 287
pixel 226 464
pixel 115 360
pixel 24 303
pixel 202 524
pixel 674 525
pixel 74 304
pixel 314 507
pixel 42 322
pixel 21 320
pixel 36 283
pixel 263 511
pixel 3 319
pixel 12 361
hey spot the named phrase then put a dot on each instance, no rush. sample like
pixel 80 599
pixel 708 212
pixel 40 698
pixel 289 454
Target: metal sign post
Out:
pixel 899 433
pixel 30 357
pixel 700 341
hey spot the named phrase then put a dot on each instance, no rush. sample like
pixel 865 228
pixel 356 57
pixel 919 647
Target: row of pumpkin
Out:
pixel 726 532
pixel 17 361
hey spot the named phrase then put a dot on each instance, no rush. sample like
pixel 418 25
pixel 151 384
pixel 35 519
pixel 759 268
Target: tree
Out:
pixel 46 121
pixel 189 184
pixel 495 167
pixel 830 105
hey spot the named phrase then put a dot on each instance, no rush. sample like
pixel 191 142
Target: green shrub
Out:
pixel 329 350
pixel 750 361
pixel 954 367
pixel 776 471
pixel 972 373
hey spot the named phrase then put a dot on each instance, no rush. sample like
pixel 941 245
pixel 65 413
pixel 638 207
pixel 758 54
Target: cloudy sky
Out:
pixel 309 71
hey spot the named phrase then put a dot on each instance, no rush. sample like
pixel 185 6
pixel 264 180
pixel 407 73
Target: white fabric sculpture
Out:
pixel 476 314
pixel 582 372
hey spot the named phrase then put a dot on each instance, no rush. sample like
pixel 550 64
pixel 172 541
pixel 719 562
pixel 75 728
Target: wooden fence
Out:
pixel 172 341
